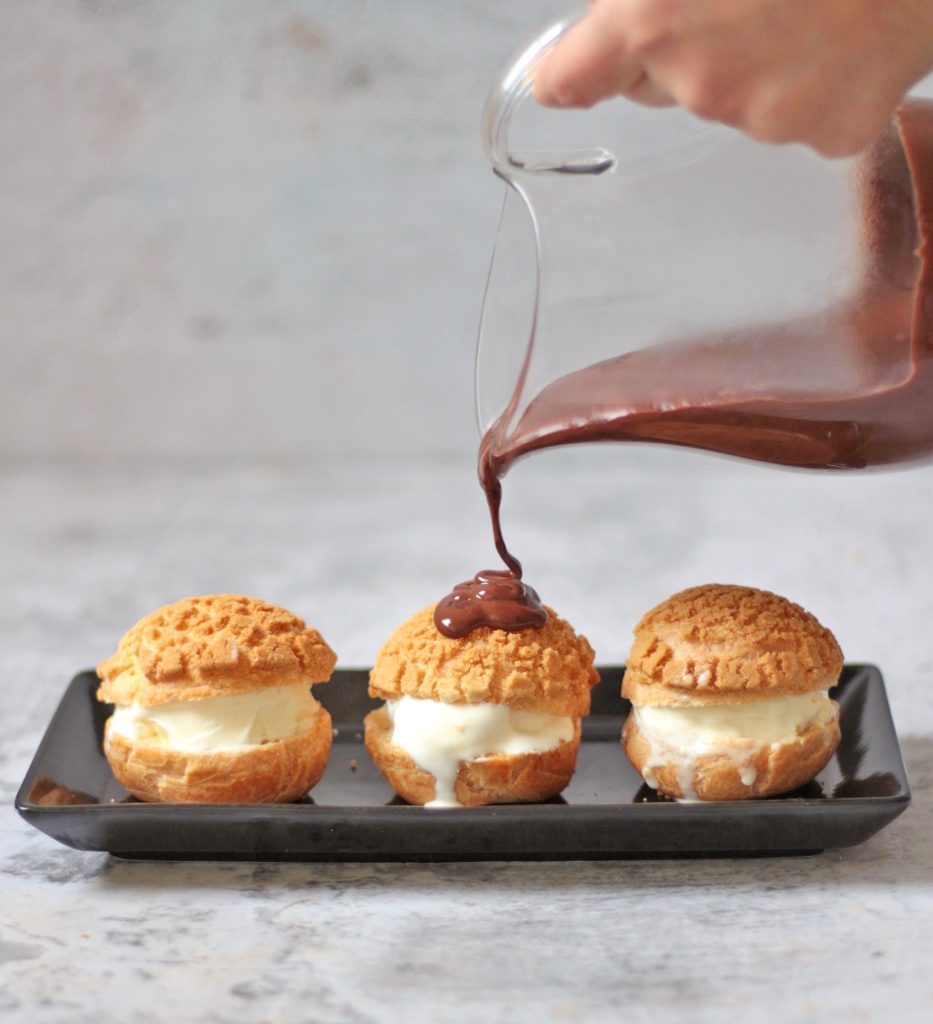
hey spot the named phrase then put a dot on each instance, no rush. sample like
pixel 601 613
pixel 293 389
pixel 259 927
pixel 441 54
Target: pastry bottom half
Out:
pixel 771 768
pixel 494 779
pixel 275 772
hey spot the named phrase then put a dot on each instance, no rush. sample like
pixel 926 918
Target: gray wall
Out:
pixel 226 225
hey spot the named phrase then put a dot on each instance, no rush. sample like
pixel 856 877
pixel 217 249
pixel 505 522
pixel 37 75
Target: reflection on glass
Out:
pixel 812 790
pixel 876 784
pixel 852 748
pixel 46 792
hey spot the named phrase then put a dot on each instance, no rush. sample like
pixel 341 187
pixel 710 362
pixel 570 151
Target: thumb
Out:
pixel 589 64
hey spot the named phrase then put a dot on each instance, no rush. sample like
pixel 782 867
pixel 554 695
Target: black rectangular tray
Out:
pixel 605 812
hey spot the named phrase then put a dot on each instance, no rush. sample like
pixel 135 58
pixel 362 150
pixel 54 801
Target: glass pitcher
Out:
pixel 660 278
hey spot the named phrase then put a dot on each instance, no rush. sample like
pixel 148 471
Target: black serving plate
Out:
pixel 605 812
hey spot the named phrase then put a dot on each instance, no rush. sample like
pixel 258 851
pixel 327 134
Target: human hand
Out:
pixel 828 73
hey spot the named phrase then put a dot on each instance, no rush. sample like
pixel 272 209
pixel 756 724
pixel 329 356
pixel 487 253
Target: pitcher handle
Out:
pixel 511 89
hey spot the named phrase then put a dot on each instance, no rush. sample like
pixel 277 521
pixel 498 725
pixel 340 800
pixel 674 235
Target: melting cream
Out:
pixel 438 736
pixel 226 722
pixel 682 735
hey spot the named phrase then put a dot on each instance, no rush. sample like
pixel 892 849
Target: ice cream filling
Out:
pixel 438 737
pixel 682 735
pixel 227 722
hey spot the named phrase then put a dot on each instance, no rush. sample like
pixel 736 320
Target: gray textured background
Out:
pixel 225 223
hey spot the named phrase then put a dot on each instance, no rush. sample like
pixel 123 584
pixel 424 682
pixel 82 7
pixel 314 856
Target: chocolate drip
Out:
pixel 489 475
pixel 492 598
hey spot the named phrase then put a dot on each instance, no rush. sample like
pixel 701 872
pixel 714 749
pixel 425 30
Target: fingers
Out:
pixel 649 93
pixel 588 65
pixel 835 125
pixel 781 71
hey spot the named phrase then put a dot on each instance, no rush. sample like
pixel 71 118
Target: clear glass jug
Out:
pixel 661 278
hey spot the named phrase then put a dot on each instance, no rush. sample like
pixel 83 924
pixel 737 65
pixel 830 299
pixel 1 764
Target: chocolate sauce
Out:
pixel 494 598
pixel 706 393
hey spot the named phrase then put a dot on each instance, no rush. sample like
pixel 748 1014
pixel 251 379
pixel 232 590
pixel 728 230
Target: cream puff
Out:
pixel 490 717
pixel 729 691
pixel 213 703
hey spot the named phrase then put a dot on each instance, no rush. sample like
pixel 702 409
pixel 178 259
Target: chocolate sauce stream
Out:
pixel 493 598
pixel 489 478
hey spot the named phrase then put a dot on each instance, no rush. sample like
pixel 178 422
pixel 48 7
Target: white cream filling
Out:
pixel 228 722
pixel 681 735
pixel 438 736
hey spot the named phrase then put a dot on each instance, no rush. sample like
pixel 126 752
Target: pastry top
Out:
pixel 207 646
pixel 726 644
pixel 547 669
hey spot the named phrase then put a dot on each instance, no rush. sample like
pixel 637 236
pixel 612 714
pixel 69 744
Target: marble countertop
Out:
pixel 840 936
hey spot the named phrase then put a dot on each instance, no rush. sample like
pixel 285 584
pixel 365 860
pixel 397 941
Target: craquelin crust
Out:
pixel 498 779
pixel 275 772
pixel 218 644
pixel 719 641
pixel 549 669
pixel 779 767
